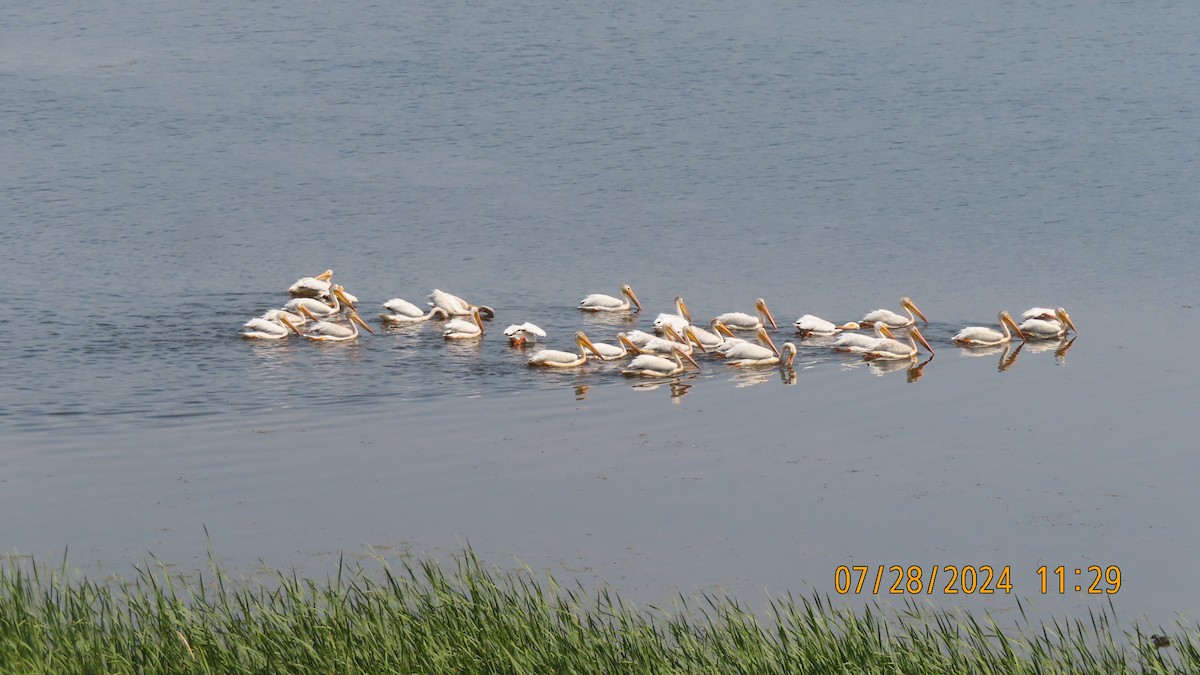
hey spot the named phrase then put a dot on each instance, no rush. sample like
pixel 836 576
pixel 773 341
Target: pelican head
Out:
pixel 681 308
pixel 585 343
pixel 1007 319
pixel 475 316
pixel 720 327
pixel 789 354
pixel 761 306
pixel 627 291
pixel 920 338
pixel 680 352
pixel 907 303
pixel 765 337
pixel 1065 318
pixel 325 276
pixel 671 333
pixel 629 346
pixel 853 325
pixel 341 295
pixel 306 312
pixel 883 330
pixel 358 320
pixel 674 335
pixel 284 320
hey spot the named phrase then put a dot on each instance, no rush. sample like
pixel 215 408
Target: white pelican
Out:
pixel 706 339
pixel 458 329
pixel 312 287
pixel 983 336
pixel 520 333
pixel 319 308
pixel 607 352
pixel 814 326
pixel 262 328
pixel 456 306
pixel 681 319
pixel 649 365
pixel 403 311
pixel 743 321
pixel 327 331
pixel 894 320
pixel 857 342
pixel 672 341
pixel 892 349
pixel 553 358
pixel 1039 329
pixel 736 349
pixel 786 358
pixel 599 302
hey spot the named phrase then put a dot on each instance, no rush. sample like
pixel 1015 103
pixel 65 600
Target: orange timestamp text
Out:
pixel 969 579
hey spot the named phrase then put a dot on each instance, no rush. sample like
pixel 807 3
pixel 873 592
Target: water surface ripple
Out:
pixel 168 171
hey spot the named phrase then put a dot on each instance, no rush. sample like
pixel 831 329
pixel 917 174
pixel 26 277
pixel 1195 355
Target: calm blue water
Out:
pixel 168 172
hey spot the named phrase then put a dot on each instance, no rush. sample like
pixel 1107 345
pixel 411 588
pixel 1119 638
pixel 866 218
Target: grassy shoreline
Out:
pixel 423 619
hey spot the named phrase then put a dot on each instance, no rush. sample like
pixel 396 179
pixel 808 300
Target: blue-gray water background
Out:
pixel 168 170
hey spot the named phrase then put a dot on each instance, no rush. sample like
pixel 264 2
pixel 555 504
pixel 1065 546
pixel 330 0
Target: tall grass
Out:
pixel 423 620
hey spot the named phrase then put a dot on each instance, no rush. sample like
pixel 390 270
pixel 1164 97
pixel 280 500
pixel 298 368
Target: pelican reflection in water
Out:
pixel 1007 353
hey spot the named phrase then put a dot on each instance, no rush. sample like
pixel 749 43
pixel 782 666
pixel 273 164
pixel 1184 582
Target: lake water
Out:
pixel 169 171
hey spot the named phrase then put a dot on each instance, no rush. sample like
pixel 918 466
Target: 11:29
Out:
pixel 1104 579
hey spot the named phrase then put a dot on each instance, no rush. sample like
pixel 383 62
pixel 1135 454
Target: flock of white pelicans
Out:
pixel 324 311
